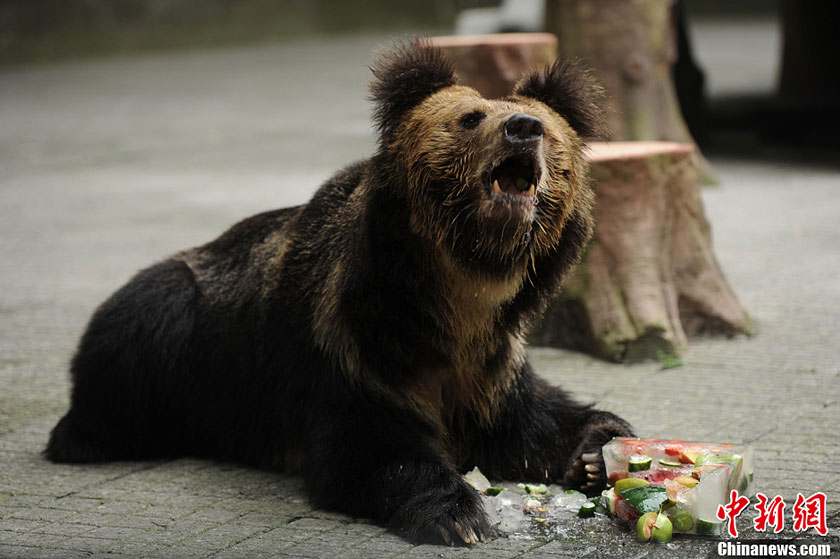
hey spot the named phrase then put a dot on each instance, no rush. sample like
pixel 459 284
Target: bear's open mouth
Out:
pixel 515 176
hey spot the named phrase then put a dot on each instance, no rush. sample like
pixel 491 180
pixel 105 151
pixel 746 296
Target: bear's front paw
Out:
pixel 453 517
pixel 586 471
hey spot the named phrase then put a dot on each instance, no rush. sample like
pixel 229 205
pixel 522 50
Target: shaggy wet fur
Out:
pixel 371 339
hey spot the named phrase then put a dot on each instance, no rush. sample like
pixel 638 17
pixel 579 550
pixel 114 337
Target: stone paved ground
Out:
pixel 106 166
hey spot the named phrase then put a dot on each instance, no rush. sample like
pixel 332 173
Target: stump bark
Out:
pixel 492 64
pixel 649 279
pixel 632 46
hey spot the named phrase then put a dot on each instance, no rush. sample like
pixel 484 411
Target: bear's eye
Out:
pixel 471 120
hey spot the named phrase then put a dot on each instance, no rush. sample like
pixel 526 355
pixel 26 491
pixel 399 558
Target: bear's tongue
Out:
pixel 513 178
pixel 512 185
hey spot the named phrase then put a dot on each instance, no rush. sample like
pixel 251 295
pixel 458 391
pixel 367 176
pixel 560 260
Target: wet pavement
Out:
pixel 107 166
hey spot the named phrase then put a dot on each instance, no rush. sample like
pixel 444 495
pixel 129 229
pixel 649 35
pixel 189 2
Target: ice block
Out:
pixel 685 480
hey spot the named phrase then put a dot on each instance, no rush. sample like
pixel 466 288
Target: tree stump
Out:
pixel 649 278
pixel 632 46
pixel 492 64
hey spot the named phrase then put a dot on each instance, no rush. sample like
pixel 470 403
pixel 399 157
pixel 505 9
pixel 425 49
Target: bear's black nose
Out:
pixel 522 128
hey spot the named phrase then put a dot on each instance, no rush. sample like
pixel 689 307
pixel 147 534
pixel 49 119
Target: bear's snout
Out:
pixel 521 129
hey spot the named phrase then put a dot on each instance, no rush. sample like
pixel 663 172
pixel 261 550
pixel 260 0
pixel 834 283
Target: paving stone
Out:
pixel 63 529
pixel 142 523
pixel 256 548
pixel 182 552
pixel 16 550
pixel 19 525
pixel 69 554
pixel 91 518
pixel 215 513
pixel 263 519
pixel 36 539
pixel 121 508
pixel 75 504
pixel 313 525
pixel 168 511
pixel 114 533
pixel 222 536
pixel 87 544
pixel 13 511
pixel 41 514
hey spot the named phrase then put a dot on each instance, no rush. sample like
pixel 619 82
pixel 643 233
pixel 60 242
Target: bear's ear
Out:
pixel 404 76
pixel 572 91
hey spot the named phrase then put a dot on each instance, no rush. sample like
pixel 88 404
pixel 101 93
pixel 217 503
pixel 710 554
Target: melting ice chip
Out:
pixel 477 480
pixel 571 500
pixel 505 512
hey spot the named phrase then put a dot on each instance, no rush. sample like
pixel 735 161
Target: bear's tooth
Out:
pixel 496 188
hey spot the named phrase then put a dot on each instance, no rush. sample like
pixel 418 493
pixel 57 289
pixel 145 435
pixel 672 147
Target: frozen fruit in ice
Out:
pixel 623 485
pixel 662 529
pixel 644 526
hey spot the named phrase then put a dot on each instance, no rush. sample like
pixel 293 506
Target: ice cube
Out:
pixel 569 501
pixel 505 512
pixel 711 492
pixel 477 480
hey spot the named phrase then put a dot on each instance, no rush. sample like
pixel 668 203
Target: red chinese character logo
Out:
pixel 771 512
pixel 731 510
pixel 810 513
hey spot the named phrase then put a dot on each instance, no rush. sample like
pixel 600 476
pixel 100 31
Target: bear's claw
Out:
pixel 587 472
pixel 453 517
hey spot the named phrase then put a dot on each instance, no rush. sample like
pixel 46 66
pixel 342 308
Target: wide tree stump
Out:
pixel 649 278
pixel 492 64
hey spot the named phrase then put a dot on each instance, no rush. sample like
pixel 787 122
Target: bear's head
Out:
pixel 494 183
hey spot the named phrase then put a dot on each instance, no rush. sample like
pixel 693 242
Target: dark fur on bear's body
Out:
pixel 371 339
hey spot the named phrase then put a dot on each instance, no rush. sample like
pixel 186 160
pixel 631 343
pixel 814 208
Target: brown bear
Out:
pixel 371 339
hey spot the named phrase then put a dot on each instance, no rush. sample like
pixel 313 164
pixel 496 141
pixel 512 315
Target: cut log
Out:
pixel 631 45
pixel 649 279
pixel 492 64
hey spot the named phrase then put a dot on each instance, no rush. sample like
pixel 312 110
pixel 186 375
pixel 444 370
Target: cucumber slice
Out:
pixel 670 463
pixel 493 491
pixel 532 489
pixel 683 521
pixel 587 509
pixel 639 463
pixel 609 498
pixel 709 528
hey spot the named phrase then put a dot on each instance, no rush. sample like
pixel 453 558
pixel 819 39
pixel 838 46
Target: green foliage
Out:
pixel 668 361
